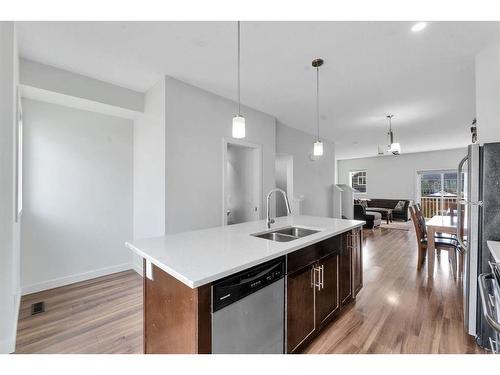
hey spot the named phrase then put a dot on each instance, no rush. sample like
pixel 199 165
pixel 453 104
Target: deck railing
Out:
pixel 432 206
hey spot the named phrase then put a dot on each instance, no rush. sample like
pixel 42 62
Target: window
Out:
pixel 438 192
pixel 358 180
pixel 19 161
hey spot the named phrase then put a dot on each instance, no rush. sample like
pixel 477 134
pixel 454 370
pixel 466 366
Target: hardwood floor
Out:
pixel 102 315
pixel 397 311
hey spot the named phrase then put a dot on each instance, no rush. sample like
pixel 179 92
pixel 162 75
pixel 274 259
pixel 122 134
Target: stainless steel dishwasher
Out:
pixel 249 310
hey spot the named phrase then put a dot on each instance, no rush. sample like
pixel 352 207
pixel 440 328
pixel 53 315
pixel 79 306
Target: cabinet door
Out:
pixel 357 262
pixel 300 307
pixel 327 298
pixel 345 270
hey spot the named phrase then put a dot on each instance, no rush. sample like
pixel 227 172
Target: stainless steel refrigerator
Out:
pixel 479 221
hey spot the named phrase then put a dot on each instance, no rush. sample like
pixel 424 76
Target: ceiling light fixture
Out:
pixel 393 147
pixel 318 145
pixel 419 26
pixel 239 121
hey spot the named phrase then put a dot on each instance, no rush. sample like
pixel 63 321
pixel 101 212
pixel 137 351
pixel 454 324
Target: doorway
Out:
pixel 284 180
pixel 242 185
pixel 437 192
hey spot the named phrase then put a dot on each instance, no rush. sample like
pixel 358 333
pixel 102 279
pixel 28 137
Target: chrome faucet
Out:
pixel 270 221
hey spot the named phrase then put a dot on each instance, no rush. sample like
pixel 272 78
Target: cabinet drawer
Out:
pixel 310 254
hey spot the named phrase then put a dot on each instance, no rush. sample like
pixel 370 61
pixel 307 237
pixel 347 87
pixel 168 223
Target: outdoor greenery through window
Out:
pixel 438 192
pixel 358 180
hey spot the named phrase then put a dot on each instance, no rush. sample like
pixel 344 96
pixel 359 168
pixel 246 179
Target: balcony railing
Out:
pixel 432 206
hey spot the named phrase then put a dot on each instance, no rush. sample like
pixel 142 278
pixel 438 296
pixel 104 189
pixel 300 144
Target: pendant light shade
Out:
pixel 393 147
pixel 238 127
pixel 318 148
pixel 318 145
pixel 239 120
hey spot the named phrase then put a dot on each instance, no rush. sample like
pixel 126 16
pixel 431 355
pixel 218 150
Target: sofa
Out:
pixel 372 219
pixel 397 214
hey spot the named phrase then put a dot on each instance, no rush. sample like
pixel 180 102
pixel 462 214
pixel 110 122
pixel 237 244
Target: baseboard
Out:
pixel 62 281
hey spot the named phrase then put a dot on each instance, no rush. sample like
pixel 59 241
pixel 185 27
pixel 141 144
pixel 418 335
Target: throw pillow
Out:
pixel 400 206
pixel 363 203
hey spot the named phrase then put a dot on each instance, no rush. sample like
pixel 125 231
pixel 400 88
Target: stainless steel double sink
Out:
pixel 286 234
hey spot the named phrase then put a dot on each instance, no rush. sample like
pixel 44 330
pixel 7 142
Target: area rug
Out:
pixel 400 225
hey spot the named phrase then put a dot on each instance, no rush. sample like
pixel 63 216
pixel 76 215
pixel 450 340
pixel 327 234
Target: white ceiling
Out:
pixel 371 69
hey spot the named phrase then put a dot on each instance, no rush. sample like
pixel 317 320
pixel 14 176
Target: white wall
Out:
pixel 311 179
pixel 149 168
pixel 9 229
pixel 488 94
pixel 282 170
pixel 149 165
pixel 77 195
pixel 394 177
pixel 196 123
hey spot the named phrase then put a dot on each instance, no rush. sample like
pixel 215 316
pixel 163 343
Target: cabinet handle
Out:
pixel 320 283
pixel 313 276
pixel 317 283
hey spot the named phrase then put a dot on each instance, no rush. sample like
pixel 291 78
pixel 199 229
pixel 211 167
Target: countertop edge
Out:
pixel 198 283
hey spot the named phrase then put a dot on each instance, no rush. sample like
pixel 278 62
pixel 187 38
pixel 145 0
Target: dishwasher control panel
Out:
pixel 232 288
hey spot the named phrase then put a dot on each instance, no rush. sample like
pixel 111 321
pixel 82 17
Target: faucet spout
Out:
pixel 269 221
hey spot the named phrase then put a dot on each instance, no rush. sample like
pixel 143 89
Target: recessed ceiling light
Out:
pixel 419 26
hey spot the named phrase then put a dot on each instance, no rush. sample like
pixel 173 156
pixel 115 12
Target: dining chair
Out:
pixel 449 244
pixel 460 253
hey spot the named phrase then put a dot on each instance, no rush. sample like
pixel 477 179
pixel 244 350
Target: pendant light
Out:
pixel 239 120
pixel 318 145
pixel 393 147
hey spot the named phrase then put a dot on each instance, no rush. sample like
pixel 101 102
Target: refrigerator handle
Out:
pixel 460 201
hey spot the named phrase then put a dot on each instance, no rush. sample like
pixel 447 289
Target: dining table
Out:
pixel 438 224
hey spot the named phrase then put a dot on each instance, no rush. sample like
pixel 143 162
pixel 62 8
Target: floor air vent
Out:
pixel 37 308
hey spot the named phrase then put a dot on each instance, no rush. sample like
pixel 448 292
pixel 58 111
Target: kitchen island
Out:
pixel 323 273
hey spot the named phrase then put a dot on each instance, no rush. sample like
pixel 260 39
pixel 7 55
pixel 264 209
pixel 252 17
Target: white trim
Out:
pixel 62 281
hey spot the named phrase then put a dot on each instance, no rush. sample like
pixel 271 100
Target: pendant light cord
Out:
pixel 239 100
pixel 317 99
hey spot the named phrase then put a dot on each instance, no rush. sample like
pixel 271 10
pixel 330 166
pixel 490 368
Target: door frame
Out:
pixel 226 141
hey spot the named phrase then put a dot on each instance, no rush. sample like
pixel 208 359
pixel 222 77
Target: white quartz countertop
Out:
pixel 199 257
pixel 494 247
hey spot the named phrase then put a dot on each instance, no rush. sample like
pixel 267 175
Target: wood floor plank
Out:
pixel 399 310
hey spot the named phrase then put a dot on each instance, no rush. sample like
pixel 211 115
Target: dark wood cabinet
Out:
pixel 312 292
pixel 327 295
pixel 300 307
pixel 345 269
